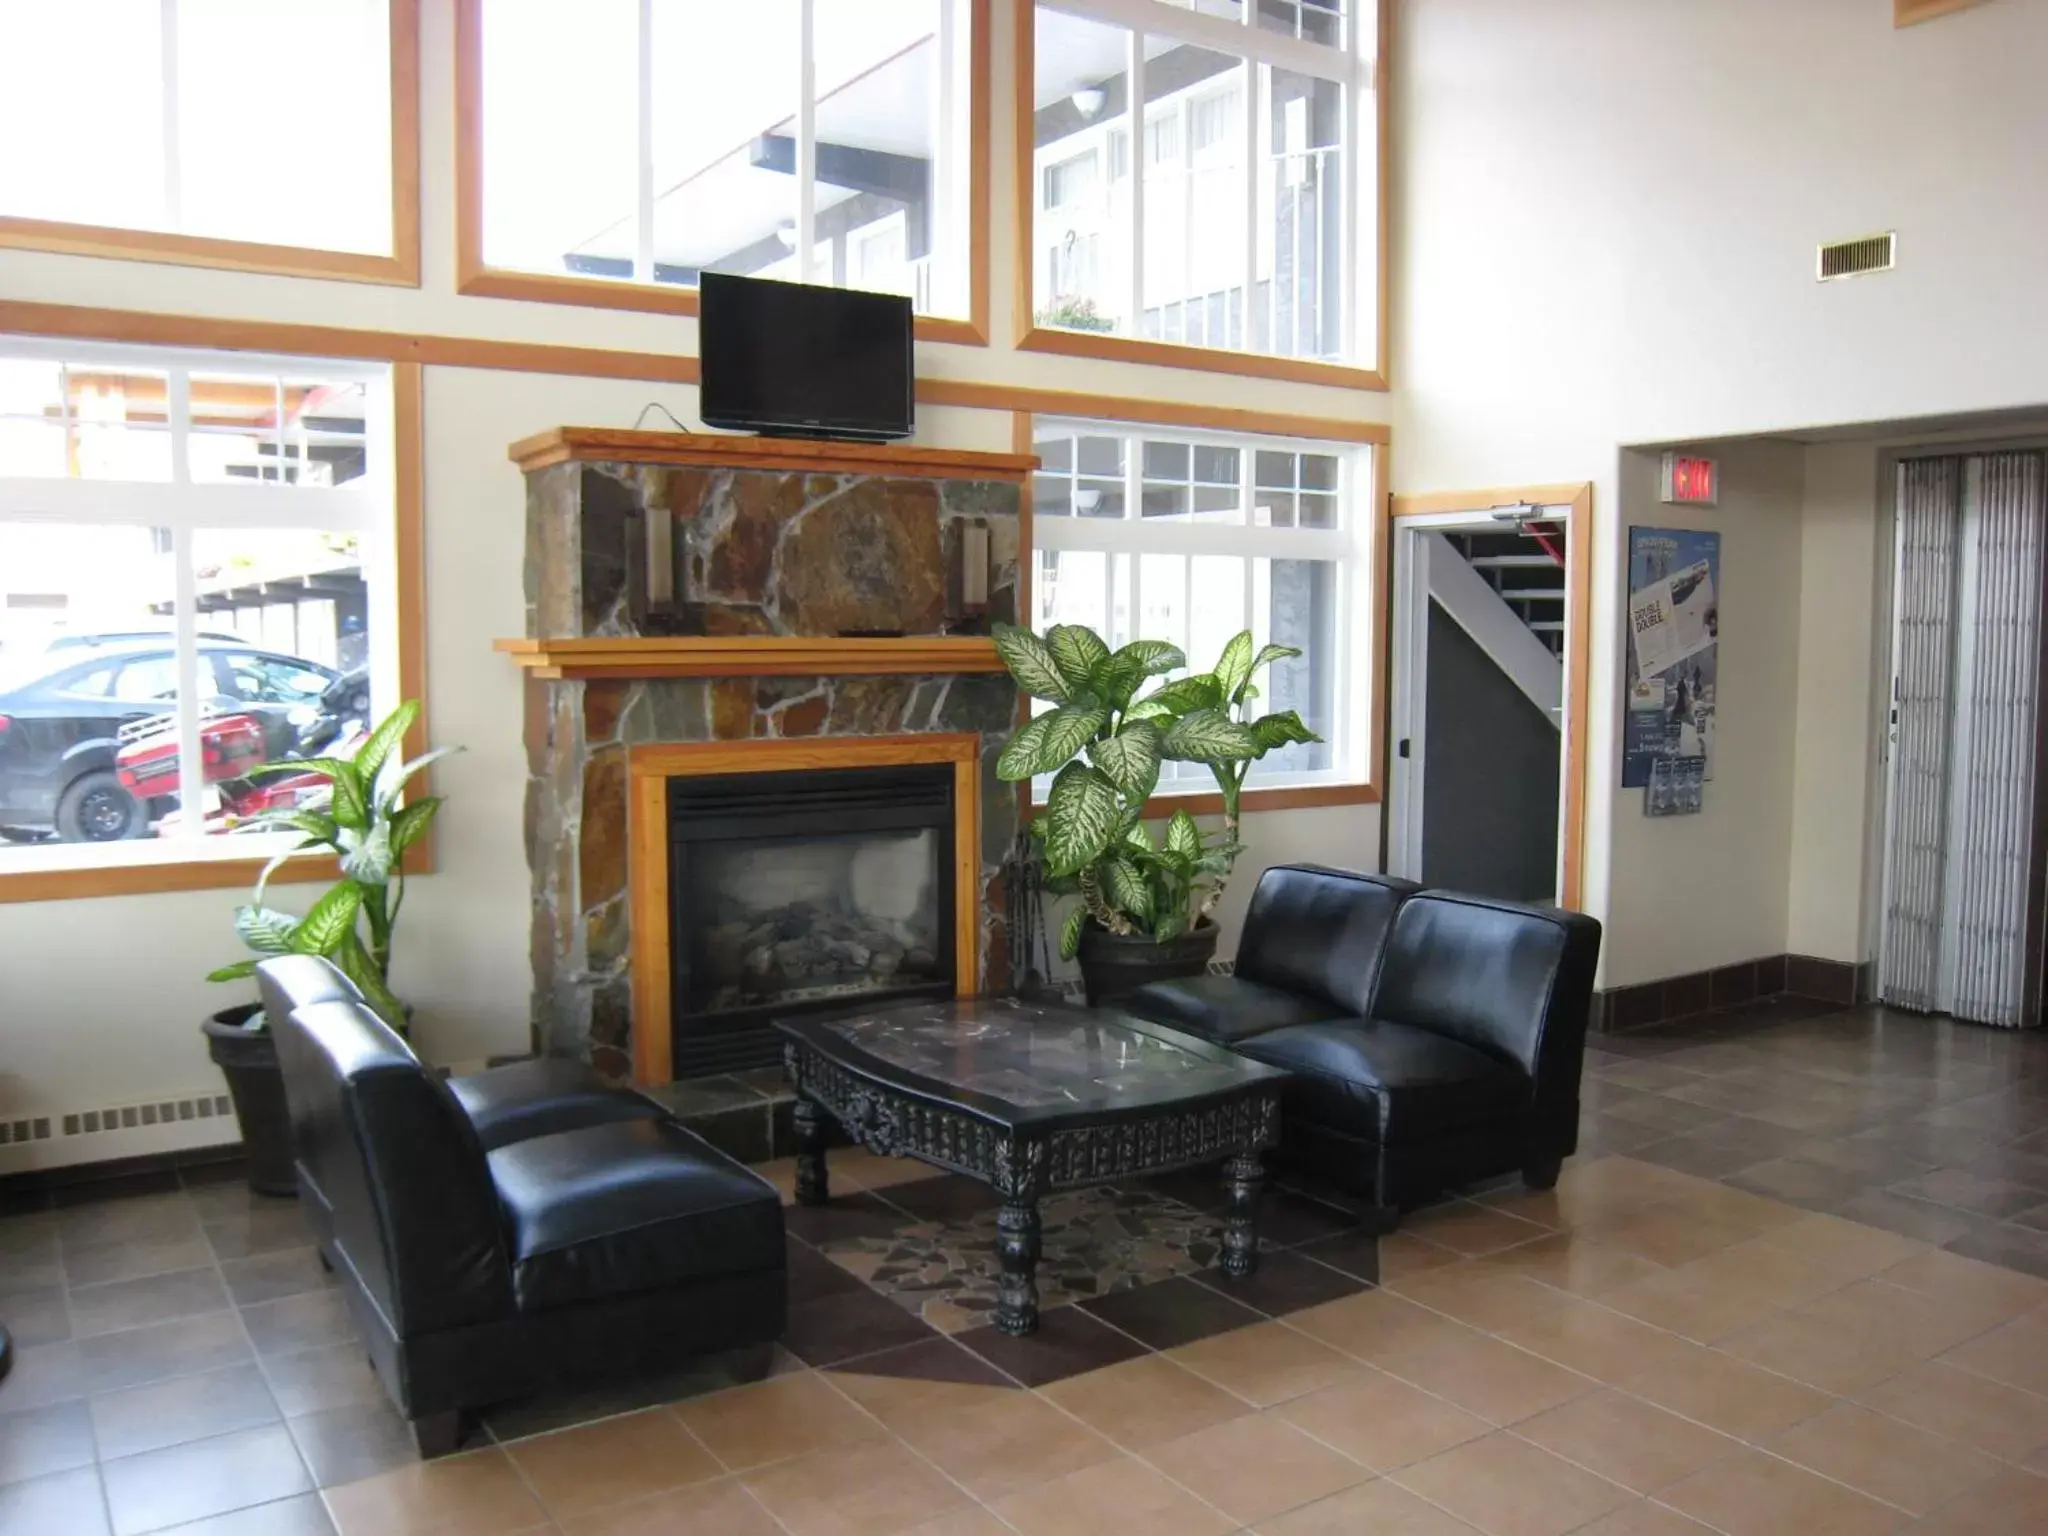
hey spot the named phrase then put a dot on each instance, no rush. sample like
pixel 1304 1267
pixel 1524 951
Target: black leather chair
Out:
pixel 517 1229
pixel 1459 1059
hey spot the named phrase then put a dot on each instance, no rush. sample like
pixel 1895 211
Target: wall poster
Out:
pixel 1674 626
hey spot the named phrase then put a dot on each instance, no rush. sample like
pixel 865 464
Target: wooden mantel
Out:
pixel 725 450
pixel 752 656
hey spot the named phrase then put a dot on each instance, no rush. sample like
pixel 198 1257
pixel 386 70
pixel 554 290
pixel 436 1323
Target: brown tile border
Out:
pixel 1620 1010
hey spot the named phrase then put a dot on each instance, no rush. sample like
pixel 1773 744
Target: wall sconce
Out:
pixel 968 610
pixel 1089 100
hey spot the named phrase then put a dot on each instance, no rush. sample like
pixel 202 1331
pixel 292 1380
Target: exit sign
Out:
pixel 1689 478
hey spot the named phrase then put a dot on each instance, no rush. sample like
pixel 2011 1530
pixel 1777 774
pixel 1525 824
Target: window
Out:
pixel 189 130
pixel 212 544
pixel 649 141
pixel 1241 234
pixel 1150 533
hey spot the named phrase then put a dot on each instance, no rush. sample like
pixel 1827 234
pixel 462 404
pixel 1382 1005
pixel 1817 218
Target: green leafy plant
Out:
pixel 1073 312
pixel 1104 745
pixel 360 819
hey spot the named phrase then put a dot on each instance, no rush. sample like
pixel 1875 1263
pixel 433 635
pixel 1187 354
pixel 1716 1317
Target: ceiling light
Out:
pixel 1089 101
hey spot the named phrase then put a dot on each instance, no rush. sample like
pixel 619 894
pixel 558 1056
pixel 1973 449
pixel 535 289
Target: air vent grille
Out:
pixel 1854 258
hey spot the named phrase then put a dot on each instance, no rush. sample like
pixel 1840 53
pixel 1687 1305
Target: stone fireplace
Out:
pixel 760 733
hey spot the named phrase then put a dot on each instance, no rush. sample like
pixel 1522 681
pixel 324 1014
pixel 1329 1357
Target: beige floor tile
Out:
pixel 721 1508
pixel 1627 1441
pixel 767 1421
pixel 869 1171
pixel 1482 1375
pixel 1403 1253
pixel 1692 1303
pixel 1472 1229
pixel 782 1174
pixel 1923 1325
pixel 1123 1497
pixel 1596 1342
pixel 1845 1248
pixel 1146 1402
pixel 1255 1468
pixel 1382 1422
pixel 971 1521
pixel 1758 1495
pixel 1508 1487
pixel 613 1460
pixel 2015 1353
pixel 476 1491
pixel 1374 1324
pixel 1937 1272
pixel 1791 1276
pixel 870 1488
pixel 1265 1364
pixel 1884 1458
pixel 1482 1297
pixel 1667 1234
pixel 998 1447
pixel 900 1401
pixel 1380 1508
pixel 1573 1263
pixel 1727 1394
pixel 1834 1359
pixel 2011 1503
pixel 1644 1518
pixel 1724 1205
pixel 1973 1409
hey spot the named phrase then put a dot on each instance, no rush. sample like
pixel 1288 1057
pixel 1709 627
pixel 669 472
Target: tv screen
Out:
pixel 799 360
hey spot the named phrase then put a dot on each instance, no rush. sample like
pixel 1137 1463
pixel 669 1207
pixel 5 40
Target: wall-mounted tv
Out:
pixel 800 360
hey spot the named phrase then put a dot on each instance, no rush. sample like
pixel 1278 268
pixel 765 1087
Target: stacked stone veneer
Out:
pixel 756 552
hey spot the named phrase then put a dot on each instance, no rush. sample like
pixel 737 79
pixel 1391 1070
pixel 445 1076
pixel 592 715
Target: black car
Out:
pixel 61 717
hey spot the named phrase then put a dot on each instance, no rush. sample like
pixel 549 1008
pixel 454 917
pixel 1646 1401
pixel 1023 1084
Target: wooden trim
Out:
pixel 1579 542
pixel 648 768
pixel 1383 348
pixel 1164 413
pixel 1379 577
pixel 476 278
pixel 1287 798
pixel 399 268
pixel 1907 13
pixel 1168 354
pixel 558 445
pixel 1020 442
pixel 150 879
pixel 1024 166
pixel 753 656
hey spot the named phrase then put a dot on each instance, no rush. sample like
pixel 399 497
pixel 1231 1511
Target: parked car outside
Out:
pixel 61 715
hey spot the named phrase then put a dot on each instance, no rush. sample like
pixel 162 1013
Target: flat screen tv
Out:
pixel 801 360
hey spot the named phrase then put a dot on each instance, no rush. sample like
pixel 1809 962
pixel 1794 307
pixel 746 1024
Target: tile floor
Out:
pixel 1682 1338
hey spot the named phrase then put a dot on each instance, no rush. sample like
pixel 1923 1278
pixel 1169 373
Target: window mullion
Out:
pixel 643 224
pixel 806 141
pixel 1134 73
pixel 185 617
pixel 174 191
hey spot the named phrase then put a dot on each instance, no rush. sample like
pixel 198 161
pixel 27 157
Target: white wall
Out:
pixel 1605 216
pixel 100 1000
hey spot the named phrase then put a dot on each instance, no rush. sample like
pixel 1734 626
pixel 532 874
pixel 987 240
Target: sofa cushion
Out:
pixel 633 1205
pixel 1224 1009
pixel 1320 932
pixel 541 1097
pixel 1389 1083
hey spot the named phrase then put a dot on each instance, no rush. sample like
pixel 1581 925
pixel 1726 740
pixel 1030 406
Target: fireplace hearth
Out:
pixel 803 891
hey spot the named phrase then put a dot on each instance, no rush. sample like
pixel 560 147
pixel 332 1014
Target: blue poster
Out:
pixel 1674 628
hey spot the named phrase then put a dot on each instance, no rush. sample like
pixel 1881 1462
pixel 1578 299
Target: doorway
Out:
pixel 1486 692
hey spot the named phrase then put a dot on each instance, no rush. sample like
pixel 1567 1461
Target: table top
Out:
pixel 1025 1063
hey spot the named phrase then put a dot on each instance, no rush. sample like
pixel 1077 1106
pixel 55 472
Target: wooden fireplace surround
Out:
pixel 649 768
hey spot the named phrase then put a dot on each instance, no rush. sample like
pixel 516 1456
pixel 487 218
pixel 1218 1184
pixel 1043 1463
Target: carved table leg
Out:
pixel 1017 1249
pixel 812 1187
pixel 1244 1180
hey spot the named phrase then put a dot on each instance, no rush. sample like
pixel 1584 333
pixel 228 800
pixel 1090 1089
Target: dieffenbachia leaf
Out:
pixel 1126 886
pixel 1130 759
pixel 1081 813
pixel 1275 731
pixel 1076 650
pixel 1045 742
pixel 1070 932
pixel 384 740
pixel 333 917
pixel 1031 663
pixel 1210 736
pixel 1183 836
pixel 1234 667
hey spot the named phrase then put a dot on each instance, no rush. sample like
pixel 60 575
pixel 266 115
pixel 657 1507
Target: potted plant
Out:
pixel 1147 904
pixel 358 816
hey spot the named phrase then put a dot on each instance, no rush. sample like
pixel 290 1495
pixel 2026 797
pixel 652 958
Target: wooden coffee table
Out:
pixel 1032 1098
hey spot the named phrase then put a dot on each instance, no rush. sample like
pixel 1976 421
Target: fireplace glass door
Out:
pixel 804 892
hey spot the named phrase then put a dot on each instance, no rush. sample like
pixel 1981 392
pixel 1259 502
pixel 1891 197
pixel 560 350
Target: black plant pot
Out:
pixel 247 1058
pixel 1112 965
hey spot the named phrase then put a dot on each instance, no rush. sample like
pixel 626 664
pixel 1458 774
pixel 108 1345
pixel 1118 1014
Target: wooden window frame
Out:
pixel 1370 630
pixel 1908 13
pixel 1032 337
pixel 1577 497
pixel 399 269
pixel 475 277
pixel 216 873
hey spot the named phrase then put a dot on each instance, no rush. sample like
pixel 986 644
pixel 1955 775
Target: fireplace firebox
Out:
pixel 804 891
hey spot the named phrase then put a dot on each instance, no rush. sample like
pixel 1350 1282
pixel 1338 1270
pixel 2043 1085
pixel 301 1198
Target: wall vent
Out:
pixel 1854 258
pixel 129 1117
pixel 15 1131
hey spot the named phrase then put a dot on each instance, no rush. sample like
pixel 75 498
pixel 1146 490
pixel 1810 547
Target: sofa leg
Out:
pixel 1378 1220
pixel 438 1434
pixel 1542 1175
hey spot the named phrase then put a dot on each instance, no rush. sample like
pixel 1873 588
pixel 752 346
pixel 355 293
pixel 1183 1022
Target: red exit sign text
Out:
pixel 1689 478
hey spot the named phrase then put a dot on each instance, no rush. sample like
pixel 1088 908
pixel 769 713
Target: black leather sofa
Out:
pixel 512 1230
pixel 1436 1039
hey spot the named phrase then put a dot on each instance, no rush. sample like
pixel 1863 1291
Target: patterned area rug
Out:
pixel 1094 1241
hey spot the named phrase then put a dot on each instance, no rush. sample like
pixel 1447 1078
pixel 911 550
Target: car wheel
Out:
pixel 98 809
